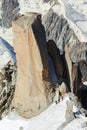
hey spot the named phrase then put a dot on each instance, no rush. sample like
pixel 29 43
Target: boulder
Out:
pixel 33 93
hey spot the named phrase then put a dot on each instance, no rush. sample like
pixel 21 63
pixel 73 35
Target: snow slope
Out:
pixel 6 47
pixel 33 6
pixel 51 119
pixel 7 34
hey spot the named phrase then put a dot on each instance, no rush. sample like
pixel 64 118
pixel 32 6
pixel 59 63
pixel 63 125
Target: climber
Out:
pixel 60 91
pixel 59 97
pixel 76 111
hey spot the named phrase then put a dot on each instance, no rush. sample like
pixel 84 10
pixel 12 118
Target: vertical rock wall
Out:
pixel 31 96
pixel 58 30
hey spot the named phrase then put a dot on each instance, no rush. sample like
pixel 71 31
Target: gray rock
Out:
pixel 9 12
pixel 46 0
pixel 7 87
pixel 83 69
pixel 57 29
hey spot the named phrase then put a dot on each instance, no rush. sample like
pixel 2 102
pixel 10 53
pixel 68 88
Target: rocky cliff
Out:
pixel 7 76
pixel 7 87
pixel 33 93
pixel 9 11
pixel 44 61
pixel 58 30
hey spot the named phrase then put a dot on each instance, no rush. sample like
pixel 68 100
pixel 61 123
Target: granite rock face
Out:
pixel 58 30
pixel 9 12
pixel 33 93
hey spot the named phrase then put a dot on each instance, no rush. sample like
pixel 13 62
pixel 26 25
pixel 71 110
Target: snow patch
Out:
pixel 6 53
pixel 51 119
pixel 7 34
pixel 85 83
pixel 33 6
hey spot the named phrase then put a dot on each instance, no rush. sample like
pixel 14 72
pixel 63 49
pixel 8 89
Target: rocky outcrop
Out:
pixel 42 64
pixel 7 76
pixel 7 87
pixel 33 93
pixel 9 12
pixel 58 30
